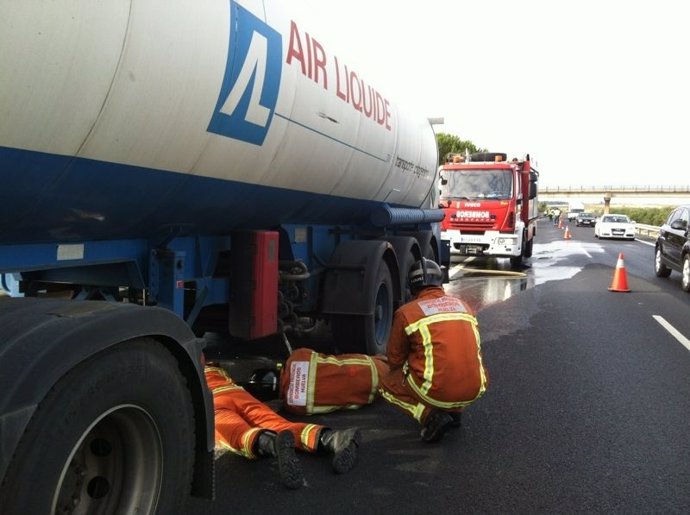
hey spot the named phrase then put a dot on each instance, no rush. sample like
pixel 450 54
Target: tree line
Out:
pixel 451 144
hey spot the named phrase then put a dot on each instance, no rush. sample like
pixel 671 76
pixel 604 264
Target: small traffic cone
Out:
pixel 560 223
pixel 566 234
pixel 620 277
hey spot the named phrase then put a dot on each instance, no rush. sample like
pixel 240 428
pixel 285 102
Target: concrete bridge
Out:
pixel 624 196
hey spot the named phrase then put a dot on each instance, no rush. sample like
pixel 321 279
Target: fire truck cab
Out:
pixel 491 205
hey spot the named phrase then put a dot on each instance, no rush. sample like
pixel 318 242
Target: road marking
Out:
pixel 674 332
pixel 454 270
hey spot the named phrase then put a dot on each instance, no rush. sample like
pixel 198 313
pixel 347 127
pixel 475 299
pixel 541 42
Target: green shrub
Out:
pixel 645 215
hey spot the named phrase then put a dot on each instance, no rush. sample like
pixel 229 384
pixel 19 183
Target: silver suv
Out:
pixel 673 246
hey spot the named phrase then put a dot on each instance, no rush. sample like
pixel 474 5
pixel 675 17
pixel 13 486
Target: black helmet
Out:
pixel 263 384
pixel 424 273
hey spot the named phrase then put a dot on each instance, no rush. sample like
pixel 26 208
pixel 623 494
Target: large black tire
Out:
pixel 660 269
pixel 114 435
pixel 368 334
pixel 529 249
pixel 406 264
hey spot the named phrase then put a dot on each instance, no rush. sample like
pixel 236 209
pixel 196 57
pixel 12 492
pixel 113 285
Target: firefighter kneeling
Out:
pixel 432 370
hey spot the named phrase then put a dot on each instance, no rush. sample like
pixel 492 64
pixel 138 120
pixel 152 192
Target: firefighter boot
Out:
pixel 457 418
pixel 282 447
pixel 436 425
pixel 342 444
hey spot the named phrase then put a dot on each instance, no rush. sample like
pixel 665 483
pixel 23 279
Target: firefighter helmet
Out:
pixel 424 273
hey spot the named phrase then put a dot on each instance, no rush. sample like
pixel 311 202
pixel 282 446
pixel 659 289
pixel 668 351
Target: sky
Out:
pixel 596 91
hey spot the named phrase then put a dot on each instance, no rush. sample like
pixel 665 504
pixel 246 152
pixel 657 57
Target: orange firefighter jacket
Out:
pixel 435 341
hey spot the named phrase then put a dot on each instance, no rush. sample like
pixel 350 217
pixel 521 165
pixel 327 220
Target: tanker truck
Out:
pixel 171 170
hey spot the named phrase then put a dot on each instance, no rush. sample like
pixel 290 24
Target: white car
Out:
pixel 615 226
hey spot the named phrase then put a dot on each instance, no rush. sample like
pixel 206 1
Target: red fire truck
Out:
pixel 491 205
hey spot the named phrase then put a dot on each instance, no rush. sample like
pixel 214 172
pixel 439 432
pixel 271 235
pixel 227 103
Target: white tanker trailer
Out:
pixel 169 169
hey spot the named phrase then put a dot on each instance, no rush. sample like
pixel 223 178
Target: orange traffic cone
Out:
pixel 560 223
pixel 620 277
pixel 566 234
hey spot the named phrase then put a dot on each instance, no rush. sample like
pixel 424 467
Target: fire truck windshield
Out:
pixel 476 184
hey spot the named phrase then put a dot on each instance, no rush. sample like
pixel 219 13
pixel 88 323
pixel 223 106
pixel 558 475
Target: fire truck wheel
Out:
pixel 529 248
pixel 114 435
pixel 368 334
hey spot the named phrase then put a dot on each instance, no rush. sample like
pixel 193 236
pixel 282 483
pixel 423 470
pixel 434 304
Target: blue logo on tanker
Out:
pixel 249 92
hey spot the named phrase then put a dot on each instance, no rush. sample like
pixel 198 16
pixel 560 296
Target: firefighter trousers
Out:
pixel 240 418
pixel 395 389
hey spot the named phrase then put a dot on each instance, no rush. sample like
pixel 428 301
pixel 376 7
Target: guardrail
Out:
pixel 651 231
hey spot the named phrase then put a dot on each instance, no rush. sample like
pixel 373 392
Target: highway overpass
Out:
pixel 649 196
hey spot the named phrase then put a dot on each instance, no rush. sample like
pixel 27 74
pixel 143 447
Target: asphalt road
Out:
pixel 588 410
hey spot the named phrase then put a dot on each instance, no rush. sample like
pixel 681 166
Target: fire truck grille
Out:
pixel 469 226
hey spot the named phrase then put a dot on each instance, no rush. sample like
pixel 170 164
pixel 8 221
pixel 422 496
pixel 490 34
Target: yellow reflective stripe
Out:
pixel 334 360
pixel 428 357
pixel 218 370
pixel 482 372
pixel 374 380
pixel 422 325
pixel 311 382
pixel 439 317
pixel 416 410
pixel 246 450
pixel 364 360
pixel 441 404
pixel 226 388
pixel 304 436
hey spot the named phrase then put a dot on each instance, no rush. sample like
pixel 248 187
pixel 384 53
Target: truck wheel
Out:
pixel 406 265
pixel 368 334
pixel 660 269
pixel 529 248
pixel 114 435
pixel 516 261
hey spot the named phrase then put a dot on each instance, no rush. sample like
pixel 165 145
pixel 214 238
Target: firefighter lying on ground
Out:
pixel 432 370
pixel 248 427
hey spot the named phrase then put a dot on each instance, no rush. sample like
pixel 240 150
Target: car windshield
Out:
pixel 477 184
pixel 616 219
pixel 586 215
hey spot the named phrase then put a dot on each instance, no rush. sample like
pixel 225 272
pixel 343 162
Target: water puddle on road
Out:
pixel 482 282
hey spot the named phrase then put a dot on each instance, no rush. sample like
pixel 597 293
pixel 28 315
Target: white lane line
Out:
pixel 454 270
pixel 674 332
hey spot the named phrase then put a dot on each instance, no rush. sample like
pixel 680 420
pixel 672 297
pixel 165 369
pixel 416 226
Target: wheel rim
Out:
pixel 657 261
pixel 686 273
pixel 115 466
